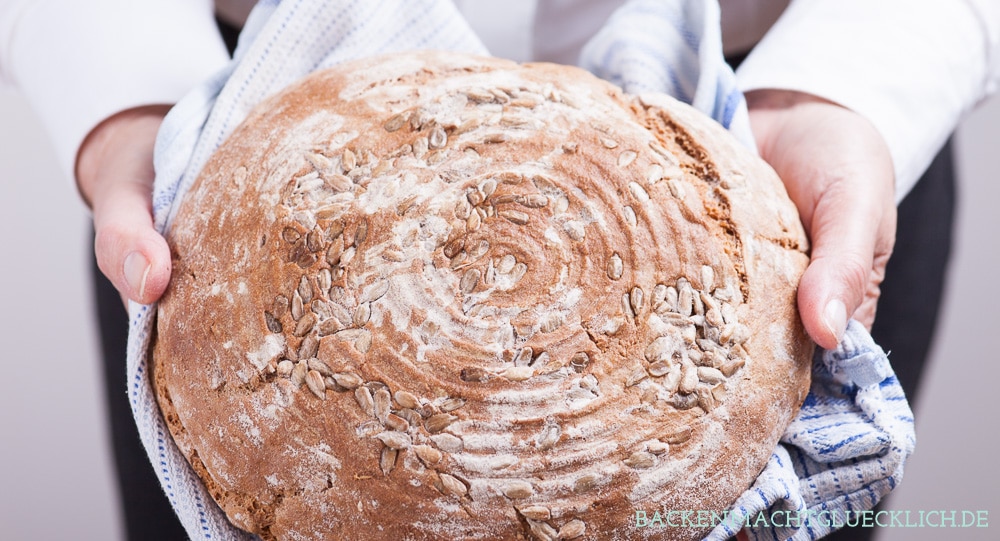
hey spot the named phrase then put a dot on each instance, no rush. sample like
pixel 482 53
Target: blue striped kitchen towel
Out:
pixel 846 448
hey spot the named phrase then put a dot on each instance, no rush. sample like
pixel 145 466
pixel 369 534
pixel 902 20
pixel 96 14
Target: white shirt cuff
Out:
pixel 81 62
pixel 912 68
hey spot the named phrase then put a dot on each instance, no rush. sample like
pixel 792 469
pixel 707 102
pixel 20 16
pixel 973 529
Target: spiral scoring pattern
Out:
pixel 501 293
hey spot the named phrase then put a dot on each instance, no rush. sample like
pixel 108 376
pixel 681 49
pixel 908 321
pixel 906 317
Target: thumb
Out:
pixel 844 232
pixel 130 252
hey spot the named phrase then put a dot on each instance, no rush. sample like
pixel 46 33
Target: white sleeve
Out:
pixel 79 62
pixel 912 68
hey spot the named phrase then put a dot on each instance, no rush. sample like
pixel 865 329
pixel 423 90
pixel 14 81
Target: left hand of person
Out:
pixel 839 173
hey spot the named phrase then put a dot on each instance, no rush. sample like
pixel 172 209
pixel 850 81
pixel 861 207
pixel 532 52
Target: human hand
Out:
pixel 839 173
pixel 115 177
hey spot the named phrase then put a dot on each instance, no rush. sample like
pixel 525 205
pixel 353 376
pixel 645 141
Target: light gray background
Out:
pixel 55 467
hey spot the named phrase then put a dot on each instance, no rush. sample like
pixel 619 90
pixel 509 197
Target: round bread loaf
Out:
pixel 436 296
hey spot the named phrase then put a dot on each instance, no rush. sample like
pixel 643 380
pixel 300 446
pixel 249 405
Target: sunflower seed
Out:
pixel 654 173
pixel 298 308
pixel 579 361
pixel 735 333
pixel 314 241
pixel 452 404
pixel 615 267
pixel 383 404
pixel 437 138
pixel 585 483
pixel 518 272
pixel 710 375
pixel 630 218
pixel 469 281
pixel 324 280
pixel 719 393
pixel 706 400
pixel 474 374
pixel 626 158
pixel 518 373
pixel 452 485
pixel 395 422
pixel 542 531
pixel 536 512
pixel 314 380
pixel 685 401
pixel 406 399
pixel 299 373
pixel 348 380
pixel 272 322
pixel 427 454
pixel 731 367
pixel 657 447
pixel 395 122
pixel 641 460
pixel 561 205
pixel 318 161
pixel 551 322
pixel 609 143
pixel 638 192
pixel 290 235
pixel 335 251
pixel 689 379
pixel 387 460
pixel 309 347
pixel 363 396
pixel 506 264
pixel 575 230
pixel 474 222
pixel 660 368
pixel 361 233
pixel 572 529
pixel 534 200
pixel 305 325
pixel 480 249
pixel 448 443
pixel 487 187
pixel 685 297
pixel 437 423
pixel 329 326
pixel 394 439
pixel 637 375
pixel 524 356
pixel 698 305
pixel 627 306
pixel 517 490
pixel 676 188
pixel 514 216
pixel 548 437
pixel 338 183
pixel 362 314
pixel 285 368
pixel 636 300
pixel 678 436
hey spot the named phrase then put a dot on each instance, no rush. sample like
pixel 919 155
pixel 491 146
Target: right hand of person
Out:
pixel 115 177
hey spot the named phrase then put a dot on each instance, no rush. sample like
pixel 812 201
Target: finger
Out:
pixel 130 252
pixel 844 233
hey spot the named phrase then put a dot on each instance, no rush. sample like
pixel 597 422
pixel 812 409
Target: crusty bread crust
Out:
pixel 436 296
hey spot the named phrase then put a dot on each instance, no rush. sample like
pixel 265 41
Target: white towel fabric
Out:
pixel 846 448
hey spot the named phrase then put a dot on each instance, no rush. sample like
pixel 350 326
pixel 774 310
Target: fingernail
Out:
pixel 136 271
pixel 835 317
